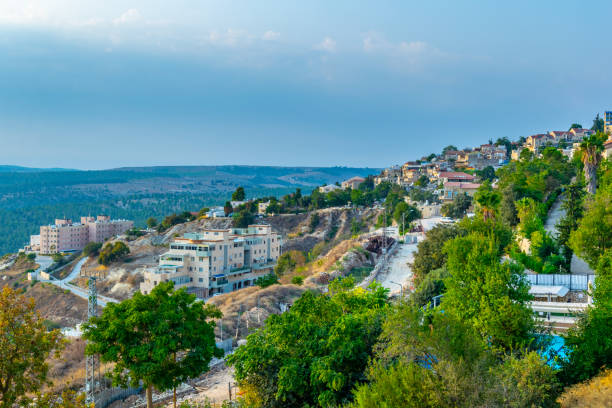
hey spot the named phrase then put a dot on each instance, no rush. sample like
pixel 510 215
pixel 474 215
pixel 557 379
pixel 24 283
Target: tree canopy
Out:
pixel 161 339
pixel 314 354
pixel 25 345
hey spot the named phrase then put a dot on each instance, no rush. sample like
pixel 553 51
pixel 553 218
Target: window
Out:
pixel 200 280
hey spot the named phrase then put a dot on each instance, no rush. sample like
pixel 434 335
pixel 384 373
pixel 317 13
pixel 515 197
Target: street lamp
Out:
pixel 401 288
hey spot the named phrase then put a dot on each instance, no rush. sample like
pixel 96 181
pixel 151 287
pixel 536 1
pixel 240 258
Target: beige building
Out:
pixel 66 235
pixel 217 261
pixel 453 188
pixel 353 183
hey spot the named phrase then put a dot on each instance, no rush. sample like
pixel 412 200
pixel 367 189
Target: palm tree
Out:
pixel 591 148
pixel 488 199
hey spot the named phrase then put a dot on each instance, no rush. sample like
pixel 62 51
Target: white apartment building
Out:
pixel 66 235
pixel 216 261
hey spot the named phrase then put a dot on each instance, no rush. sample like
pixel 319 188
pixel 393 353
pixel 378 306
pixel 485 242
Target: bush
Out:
pixel 297 280
pixel 92 249
pixel 113 252
pixel 265 281
pixel 32 256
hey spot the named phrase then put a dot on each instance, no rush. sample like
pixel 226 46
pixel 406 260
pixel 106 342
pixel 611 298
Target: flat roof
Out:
pixel 545 290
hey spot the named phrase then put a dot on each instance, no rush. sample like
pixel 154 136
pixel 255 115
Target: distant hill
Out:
pixel 5 168
pixel 32 197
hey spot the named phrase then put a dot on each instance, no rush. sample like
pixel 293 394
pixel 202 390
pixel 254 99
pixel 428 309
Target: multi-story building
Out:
pixel 66 235
pixel 217 260
pixel 608 122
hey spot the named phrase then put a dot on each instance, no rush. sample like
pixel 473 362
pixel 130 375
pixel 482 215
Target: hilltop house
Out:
pixel 353 182
pixel 216 260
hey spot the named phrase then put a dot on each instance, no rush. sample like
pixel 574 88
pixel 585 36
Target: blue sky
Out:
pixel 90 84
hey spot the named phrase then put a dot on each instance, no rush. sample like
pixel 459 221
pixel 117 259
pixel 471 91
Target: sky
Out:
pixel 91 85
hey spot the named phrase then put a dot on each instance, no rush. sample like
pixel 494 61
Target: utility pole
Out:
pixel 90 360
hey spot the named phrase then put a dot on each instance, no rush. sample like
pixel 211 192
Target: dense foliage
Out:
pixel 25 345
pixel 161 339
pixel 314 354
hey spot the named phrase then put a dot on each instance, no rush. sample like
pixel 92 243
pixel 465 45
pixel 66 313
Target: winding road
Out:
pixel 77 291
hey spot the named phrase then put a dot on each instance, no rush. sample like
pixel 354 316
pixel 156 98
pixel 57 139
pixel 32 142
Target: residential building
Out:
pixel 328 188
pixel 216 212
pixel 453 188
pixel 456 176
pixel 536 142
pixel 66 235
pixel 353 182
pixel 216 260
pixel 411 171
pixel 608 122
pixel 262 207
pixel 392 174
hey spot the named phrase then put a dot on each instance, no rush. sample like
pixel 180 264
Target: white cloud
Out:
pixel 271 35
pixel 130 16
pixel 19 13
pixel 412 53
pixel 328 44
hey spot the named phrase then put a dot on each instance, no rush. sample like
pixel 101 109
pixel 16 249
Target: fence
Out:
pixel 379 265
pixel 573 282
pixel 107 397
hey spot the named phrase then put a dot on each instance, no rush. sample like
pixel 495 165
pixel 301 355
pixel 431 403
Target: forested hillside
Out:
pixel 32 198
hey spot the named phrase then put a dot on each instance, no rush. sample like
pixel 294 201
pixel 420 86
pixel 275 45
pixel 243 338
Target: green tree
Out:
pixel 593 237
pixel 313 354
pixel 239 194
pixel 489 294
pixel 25 345
pixel 242 219
pixel 598 124
pixel 530 215
pixel 590 150
pixel 227 208
pixel 575 126
pixel 458 207
pixel 92 249
pixel 422 181
pixel 405 214
pixel 430 254
pixel 573 208
pixel 151 222
pixel 589 343
pixel 427 359
pixel 448 148
pixel 488 200
pixel 507 207
pixel 267 280
pixel 113 252
pixel 162 339
pixel 488 173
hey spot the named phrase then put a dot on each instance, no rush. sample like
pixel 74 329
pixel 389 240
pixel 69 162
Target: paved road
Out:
pixel 43 262
pixel 397 269
pixel 578 266
pixel 80 292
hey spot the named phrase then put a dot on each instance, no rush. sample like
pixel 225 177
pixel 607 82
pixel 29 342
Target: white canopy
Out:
pixel 544 290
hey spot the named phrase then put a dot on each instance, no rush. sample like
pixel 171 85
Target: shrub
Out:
pixel 265 281
pixel 93 248
pixel 297 280
pixel 113 252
